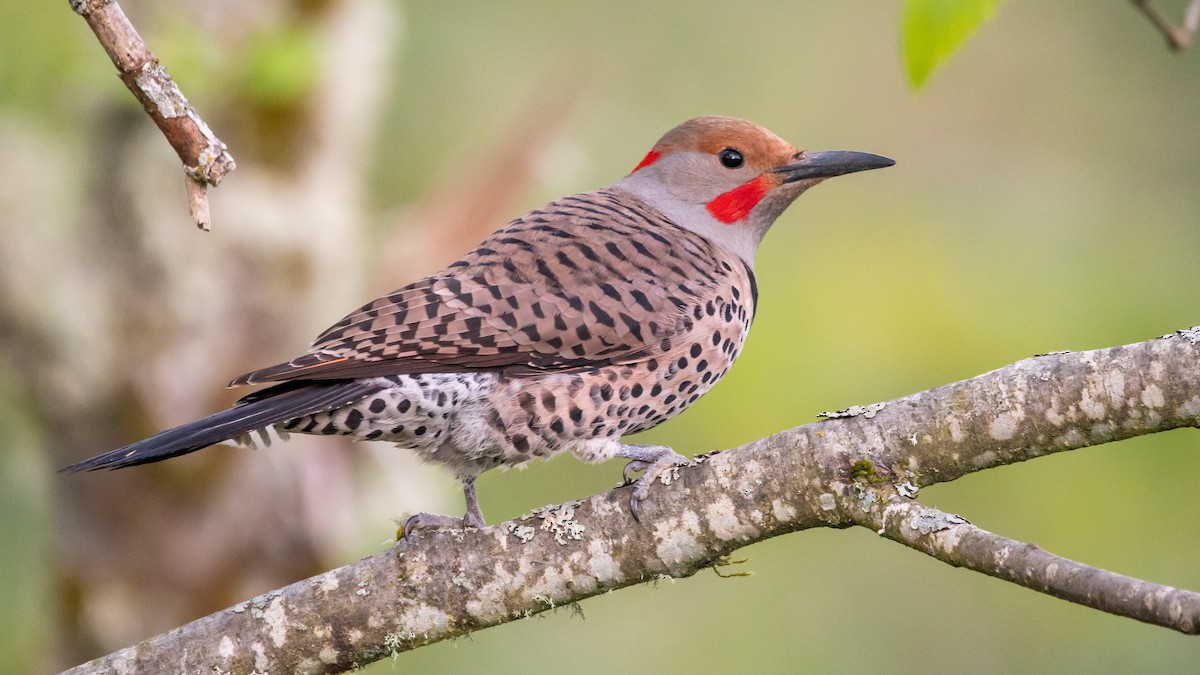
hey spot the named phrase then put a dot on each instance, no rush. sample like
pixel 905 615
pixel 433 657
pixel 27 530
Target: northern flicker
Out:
pixel 598 315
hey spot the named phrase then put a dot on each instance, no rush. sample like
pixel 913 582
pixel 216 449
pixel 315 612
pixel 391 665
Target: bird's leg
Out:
pixel 474 516
pixel 472 519
pixel 654 460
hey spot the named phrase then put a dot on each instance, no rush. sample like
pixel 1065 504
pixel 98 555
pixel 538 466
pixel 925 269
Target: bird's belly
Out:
pixel 541 416
pixel 414 411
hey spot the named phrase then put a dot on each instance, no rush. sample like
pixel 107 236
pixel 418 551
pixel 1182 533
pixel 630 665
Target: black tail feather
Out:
pixel 256 411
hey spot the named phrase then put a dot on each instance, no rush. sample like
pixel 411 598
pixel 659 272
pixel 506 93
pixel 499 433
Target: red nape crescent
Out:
pixel 736 204
pixel 650 158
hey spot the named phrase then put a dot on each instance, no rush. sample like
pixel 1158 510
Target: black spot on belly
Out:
pixel 520 443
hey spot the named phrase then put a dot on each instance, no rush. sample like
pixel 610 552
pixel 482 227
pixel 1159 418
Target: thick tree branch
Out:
pixel 205 158
pixel 862 470
pixel 1038 406
pixel 1178 38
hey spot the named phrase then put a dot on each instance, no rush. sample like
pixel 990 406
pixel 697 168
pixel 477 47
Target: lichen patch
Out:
pixel 600 562
pixel 275 616
pixel 723 521
pixel 328 654
pixel 425 619
pixel 523 533
pixel 678 539
pixel 783 512
pixel 1152 396
pixel 558 520
pixel 329 582
pixel 552 583
pixel 1004 426
pixel 954 425
pixel 488 601
pixel 1053 416
pixel 1091 407
pixel 1190 407
pixel 261 662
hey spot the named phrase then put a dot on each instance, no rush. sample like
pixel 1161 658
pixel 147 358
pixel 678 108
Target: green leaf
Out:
pixel 933 29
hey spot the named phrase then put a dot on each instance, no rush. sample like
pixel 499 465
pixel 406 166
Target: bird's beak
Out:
pixel 828 164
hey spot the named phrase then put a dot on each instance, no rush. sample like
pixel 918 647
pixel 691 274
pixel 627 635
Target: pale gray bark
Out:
pixel 862 468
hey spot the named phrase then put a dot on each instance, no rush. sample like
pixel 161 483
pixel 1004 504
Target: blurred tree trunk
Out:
pixel 129 322
pixel 135 323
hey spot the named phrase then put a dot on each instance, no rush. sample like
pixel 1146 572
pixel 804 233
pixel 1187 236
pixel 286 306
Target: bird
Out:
pixel 594 317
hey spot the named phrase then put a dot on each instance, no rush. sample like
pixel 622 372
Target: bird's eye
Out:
pixel 731 159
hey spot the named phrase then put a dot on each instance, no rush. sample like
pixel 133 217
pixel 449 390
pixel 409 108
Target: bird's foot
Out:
pixel 657 462
pixel 431 521
pixel 434 521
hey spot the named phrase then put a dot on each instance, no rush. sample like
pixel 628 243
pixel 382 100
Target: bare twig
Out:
pixel 205 158
pixel 952 540
pixel 1178 38
pixel 834 473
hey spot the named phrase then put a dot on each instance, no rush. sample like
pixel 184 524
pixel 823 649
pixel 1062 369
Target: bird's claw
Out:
pixel 433 521
pixel 652 470
pixel 632 467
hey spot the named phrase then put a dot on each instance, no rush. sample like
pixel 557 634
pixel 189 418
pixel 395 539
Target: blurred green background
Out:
pixel 1046 196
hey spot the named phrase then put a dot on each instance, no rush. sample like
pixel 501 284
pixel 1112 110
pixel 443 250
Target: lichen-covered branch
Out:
pixel 860 469
pixel 205 158
pixel 1038 406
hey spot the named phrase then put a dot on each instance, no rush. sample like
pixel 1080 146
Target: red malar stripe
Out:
pixel 650 158
pixel 736 204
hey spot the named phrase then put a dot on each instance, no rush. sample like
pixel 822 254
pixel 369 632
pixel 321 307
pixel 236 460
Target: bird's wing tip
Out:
pixel 80 467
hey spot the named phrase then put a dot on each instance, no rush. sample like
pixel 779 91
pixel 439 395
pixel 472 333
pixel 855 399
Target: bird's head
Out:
pixel 729 179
